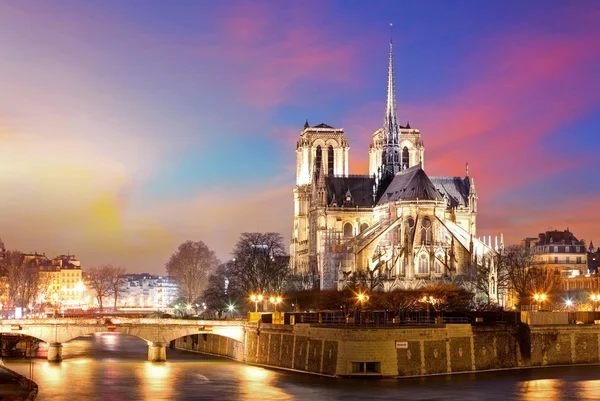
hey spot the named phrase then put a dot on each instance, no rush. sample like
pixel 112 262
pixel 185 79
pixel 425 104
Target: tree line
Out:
pixel 260 265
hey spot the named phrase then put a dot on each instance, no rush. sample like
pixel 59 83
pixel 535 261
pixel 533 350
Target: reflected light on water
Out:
pixel 157 380
pixel 252 373
pixel 258 384
pixel 540 389
pixel 588 389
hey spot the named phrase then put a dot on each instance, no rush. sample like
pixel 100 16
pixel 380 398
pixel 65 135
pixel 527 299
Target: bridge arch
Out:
pixel 158 333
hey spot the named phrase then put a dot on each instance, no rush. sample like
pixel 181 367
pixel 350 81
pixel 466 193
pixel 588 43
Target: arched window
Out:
pixel 319 160
pixel 348 230
pixel 426 231
pixel 423 264
pixel 363 227
pixel 438 267
pixel 330 160
pixel 409 228
pixel 405 157
pixel 396 157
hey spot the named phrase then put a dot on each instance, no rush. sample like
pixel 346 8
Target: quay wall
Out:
pixel 404 352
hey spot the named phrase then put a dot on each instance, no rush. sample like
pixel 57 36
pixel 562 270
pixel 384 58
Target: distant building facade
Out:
pixel 561 251
pixel 144 290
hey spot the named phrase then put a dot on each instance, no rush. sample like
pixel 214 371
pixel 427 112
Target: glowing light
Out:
pixel 568 302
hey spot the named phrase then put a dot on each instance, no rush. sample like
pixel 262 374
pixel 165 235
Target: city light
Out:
pixel 595 298
pixel 256 299
pixel 275 300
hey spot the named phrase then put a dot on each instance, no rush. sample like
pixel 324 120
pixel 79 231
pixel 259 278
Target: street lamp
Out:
pixel 256 299
pixel 540 298
pixel 275 300
pixel 595 298
pixel 568 303
pixel 231 308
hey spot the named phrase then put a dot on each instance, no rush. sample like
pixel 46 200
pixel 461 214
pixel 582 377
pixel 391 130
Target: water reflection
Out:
pixel 542 389
pixel 156 378
pixel 110 366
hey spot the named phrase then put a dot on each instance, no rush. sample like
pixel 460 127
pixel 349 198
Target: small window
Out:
pixel 423 264
pixel 567 249
pixel 348 230
pixel 556 260
pixel 319 159
pixel 366 367
pixel 405 157
pixel 578 259
pixel 568 259
pixel 330 160
pixel 363 227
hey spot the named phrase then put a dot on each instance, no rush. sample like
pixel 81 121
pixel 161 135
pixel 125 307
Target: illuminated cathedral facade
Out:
pixel 397 226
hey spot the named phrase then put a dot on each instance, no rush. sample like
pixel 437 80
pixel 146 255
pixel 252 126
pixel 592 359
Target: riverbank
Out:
pixel 14 387
pixel 394 352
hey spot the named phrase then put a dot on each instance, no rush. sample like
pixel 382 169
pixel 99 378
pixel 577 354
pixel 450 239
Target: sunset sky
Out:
pixel 127 127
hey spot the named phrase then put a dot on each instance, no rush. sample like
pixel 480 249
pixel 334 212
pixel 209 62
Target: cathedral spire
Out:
pixel 391 130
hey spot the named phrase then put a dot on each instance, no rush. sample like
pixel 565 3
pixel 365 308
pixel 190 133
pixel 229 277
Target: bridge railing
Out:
pixel 121 320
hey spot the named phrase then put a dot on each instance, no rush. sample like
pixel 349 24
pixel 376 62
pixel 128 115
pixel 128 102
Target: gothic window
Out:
pixel 410 227
pixel 348 230
pixel 423 264
pixel 363 227
pixel 319 159
pixel 438 267
pixel 396 156
pixel 330 160
pixel 405 157
pixel 426 236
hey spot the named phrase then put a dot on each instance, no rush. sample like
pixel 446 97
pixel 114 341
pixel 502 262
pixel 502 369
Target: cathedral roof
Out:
pixel 410 184
pixel 455 188
pixel 322 125
pixel 360 188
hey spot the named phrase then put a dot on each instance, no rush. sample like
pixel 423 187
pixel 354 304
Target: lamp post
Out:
pixel 256 299
pixel 540 298
pixel 362 298
pixel 595 298
pixel 275 300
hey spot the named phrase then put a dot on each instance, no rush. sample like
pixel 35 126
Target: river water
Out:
pixel 112 367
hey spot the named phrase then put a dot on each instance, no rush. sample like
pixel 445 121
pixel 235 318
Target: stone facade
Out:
pixel 396 223
pixel 405 352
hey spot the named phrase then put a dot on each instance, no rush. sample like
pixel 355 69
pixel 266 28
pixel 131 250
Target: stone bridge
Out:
pixel 157 332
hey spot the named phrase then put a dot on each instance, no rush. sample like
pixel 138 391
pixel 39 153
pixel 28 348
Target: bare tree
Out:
pixel 100 280
pixel 117 280
pixel 191 266
pixel 21 282
pixel 261 263
pixel 527 274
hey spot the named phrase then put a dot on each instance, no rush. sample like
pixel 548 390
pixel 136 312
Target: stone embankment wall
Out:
pixel 211 344
pixel 403 352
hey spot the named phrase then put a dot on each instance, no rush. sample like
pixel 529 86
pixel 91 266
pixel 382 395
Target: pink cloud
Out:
pixel 273 64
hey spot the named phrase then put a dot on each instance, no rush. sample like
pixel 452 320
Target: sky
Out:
pixel 128 127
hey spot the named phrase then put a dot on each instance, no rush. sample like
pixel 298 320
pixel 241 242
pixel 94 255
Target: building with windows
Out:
pixel 395 224
pixel 61 278
pixel 561 251
pixel 144 290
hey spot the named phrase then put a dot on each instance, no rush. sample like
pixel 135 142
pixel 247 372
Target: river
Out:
pixel 112 367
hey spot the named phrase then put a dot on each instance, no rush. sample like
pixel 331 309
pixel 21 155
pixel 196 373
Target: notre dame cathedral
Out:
pixel 396 223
